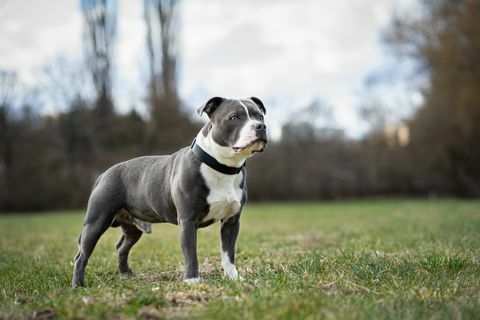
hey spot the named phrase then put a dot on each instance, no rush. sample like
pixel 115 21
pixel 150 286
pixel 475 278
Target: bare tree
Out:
pixel 100 18
pixel 163 22
pixel 63 81
pixel 169 128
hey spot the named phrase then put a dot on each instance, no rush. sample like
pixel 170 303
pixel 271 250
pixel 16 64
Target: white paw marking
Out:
pixel 192 280
pixel 229 269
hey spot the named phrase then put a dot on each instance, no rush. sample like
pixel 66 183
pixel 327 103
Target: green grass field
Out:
pixel 405 259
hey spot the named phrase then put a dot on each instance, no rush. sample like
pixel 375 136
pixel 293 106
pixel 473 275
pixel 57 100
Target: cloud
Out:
pixel 33 32
pixel 240 47
pixel 289 52
pixel 285 52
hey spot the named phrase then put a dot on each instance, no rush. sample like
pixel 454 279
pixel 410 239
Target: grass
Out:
pixel 406 259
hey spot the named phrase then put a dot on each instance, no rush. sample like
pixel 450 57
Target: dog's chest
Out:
pixel 225 194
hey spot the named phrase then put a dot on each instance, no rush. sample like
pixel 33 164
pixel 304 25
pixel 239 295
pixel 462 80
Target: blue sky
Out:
pixel 286 52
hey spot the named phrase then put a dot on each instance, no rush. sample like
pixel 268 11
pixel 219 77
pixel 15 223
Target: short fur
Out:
pixel 177 189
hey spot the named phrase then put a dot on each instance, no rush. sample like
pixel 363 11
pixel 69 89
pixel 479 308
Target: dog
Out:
pixel 192 188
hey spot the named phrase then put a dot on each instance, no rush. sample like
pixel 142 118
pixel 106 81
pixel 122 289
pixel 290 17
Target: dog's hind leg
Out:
pixel 130 236
pixel 100 213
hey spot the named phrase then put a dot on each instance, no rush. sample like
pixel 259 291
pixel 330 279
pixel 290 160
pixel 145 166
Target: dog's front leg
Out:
pixel 228 234
pixel 188 241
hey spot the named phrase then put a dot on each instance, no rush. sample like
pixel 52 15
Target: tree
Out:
pixel 169 128
pixel 100 17
pixel 445 131
pixel 62 81
pixel 163 23
pixel 8 84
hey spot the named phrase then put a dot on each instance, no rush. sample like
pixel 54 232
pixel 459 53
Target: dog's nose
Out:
pixel 259 127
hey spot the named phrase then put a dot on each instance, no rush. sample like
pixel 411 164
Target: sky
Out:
pixel 288 53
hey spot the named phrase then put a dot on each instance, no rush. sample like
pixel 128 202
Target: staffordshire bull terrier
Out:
pixel 192 188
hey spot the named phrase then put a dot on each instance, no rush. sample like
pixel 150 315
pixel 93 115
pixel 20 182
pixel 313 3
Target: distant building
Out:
pixel 398 135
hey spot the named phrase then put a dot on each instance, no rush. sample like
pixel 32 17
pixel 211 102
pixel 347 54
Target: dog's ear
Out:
pixel 210 106
pixel 259 103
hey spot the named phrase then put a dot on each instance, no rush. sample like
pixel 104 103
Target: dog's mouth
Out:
pixel 257 145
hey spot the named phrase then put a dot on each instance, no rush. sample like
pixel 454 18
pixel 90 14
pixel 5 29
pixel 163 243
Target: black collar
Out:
pixel 212 162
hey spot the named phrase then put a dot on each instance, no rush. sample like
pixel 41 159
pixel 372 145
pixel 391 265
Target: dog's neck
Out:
pixel 224 155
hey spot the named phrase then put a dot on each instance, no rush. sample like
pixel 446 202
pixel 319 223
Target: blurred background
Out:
pixel 364 98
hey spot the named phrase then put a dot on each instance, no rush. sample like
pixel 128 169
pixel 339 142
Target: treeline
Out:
pixel 51 161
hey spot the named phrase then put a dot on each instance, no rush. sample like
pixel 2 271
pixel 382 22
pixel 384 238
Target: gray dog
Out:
pixel 192 188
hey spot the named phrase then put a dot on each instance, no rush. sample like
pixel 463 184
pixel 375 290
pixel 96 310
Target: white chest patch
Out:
pixel 225 193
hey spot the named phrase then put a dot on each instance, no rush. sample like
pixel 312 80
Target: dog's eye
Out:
pixel 260 117
pixel 233 118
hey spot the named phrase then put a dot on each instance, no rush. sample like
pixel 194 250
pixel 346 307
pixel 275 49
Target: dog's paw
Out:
pixel 124 271
pixel 126 274
pixel 192 280
pixel 229 269
pixel 231 273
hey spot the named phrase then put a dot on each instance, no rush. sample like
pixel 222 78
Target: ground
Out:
pixel 384 259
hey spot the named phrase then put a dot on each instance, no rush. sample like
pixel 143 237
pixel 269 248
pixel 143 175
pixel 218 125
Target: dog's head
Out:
pixel 236 124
